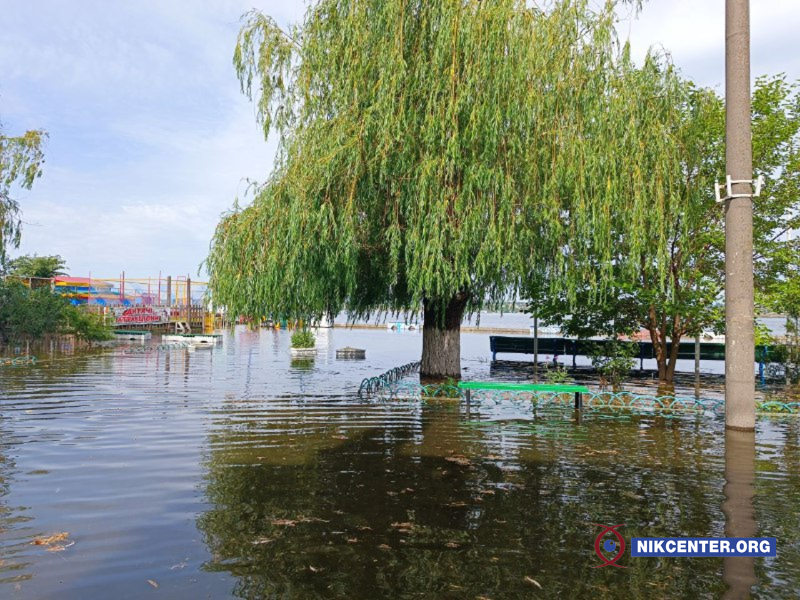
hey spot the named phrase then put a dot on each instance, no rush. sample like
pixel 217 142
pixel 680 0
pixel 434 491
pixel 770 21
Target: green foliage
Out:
pixel 763 336
pixel 674 288
pixel 86 326
pixel 785 358
pixel 434 149
pixel 45 267
pixel 446 389
pixel 28 314
pixel 303 339
pixel 555 375
pixel 21 160
pixel 614 360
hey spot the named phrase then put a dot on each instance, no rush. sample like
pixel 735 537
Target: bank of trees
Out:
pixel 30 311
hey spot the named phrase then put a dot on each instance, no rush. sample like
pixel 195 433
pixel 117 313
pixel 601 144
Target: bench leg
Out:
pixel 494 356
pixel 469 400
pixel 578 401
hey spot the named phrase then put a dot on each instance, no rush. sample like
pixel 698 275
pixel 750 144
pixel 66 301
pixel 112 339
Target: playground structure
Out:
pixel 169 304
pixel 127 291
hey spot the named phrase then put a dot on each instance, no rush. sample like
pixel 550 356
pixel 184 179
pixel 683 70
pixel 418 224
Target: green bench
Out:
pixel 578 390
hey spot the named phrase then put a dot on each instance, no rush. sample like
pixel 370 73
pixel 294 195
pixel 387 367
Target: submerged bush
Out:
pixel 446 389
pixel 614 360
pixel 86 326
pixel 556 375
pixel 303 339
pixel 28 315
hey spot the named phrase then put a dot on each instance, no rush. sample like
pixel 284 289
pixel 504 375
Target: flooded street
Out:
pixel 234 472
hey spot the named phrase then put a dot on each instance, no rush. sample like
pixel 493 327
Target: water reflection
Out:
pixel 14 569
pixel 740 517
pixel 302 490
pixel 412 501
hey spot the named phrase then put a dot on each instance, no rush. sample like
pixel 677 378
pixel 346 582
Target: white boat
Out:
pixel 193 338
pixel 122 334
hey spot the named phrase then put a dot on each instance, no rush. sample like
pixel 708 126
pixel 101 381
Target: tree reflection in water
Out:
pixel 428 506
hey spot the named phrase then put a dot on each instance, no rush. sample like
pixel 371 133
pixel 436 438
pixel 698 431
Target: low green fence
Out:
pixel 598 400
pixel 18 361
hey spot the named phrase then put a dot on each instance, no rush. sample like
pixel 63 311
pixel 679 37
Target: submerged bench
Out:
pixel 578 390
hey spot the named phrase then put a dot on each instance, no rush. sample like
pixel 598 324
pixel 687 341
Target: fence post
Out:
pixel 536 348
pixel 189 303
pixel 697 357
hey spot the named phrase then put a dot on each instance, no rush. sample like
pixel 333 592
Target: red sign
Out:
pixel 141 315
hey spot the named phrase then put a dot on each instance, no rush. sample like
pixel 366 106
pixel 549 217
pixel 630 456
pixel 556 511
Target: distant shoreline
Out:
pixel 780 339
pixel 464 328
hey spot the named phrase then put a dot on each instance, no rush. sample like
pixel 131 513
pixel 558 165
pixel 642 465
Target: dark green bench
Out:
pixel 578 390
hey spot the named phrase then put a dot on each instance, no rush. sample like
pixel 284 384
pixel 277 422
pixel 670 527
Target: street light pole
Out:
pixel 739 304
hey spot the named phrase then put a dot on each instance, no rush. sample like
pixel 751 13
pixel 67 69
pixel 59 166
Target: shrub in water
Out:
pixel 303 339
pixel 556 375
pixel 614 360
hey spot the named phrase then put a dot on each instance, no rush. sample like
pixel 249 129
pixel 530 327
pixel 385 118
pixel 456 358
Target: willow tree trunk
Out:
pixel 441 338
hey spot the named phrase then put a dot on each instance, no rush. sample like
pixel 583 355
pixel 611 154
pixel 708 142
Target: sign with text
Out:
pixel 141 315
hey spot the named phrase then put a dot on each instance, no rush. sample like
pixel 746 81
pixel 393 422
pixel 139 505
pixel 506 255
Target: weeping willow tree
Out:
pixel 21 159
pixel 436 154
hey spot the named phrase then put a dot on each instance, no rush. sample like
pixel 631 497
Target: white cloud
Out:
pixel 693 31
pixel 151 139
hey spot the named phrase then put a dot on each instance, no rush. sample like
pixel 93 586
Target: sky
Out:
pixel 150 139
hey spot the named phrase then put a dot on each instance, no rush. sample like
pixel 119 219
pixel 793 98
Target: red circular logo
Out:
pixel 612 562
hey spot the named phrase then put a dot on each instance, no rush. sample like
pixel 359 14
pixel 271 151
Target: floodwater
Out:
pixel 233 473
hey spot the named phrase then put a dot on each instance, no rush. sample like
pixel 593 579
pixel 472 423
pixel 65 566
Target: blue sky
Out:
pixel 150 139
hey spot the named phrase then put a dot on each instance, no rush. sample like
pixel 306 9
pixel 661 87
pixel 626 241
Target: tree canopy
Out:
pixel 21 159
pixel 45 267
pixel 440 150
pixel 689 299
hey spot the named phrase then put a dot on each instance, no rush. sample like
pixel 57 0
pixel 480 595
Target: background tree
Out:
pixel 45 267
pixel 21 160
pixel 688 299
pixel 30 314
pixel 433 153
pixel 27 315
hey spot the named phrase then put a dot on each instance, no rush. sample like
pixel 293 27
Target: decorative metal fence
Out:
pixel 18 361
pixel 156 348
pixel 387 389
pixel 372 385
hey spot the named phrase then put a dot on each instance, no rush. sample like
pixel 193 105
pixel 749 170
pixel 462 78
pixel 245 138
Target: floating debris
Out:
pixel 403 527
pixel 532 582
pixel 53 543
